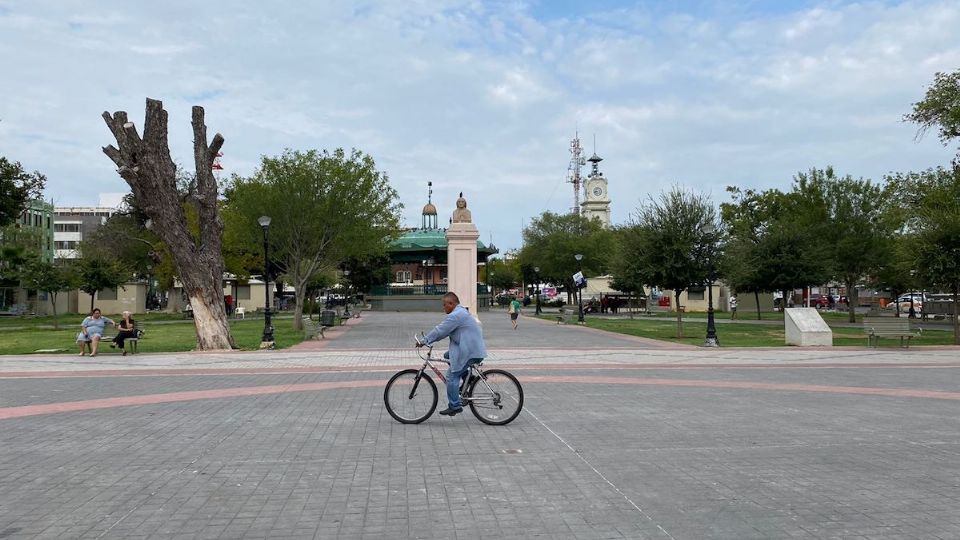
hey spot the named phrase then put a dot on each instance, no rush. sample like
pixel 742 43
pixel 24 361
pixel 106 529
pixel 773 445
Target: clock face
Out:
pixel 597 191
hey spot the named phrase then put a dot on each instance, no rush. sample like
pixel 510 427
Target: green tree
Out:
pixel 96 273
pixel 551 240
pixel 939 108
pixel 504 274
pixel 326 207
pixel 780 241
pixel 745 219
pixel 16 188
pixel 932 232
pixel 857 235
pixel 42 276
pixel 671 243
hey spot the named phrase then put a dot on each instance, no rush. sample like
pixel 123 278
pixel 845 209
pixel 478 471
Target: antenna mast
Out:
pixel 573 170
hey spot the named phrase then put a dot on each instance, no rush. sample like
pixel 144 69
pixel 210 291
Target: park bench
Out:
pixel 566 316
pixel 878 327
pixel 313 329
pixel 134 342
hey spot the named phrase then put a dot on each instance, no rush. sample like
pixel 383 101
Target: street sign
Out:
pixel 579 280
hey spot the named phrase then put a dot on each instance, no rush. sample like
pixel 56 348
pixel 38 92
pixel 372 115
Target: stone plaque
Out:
pixel 805 327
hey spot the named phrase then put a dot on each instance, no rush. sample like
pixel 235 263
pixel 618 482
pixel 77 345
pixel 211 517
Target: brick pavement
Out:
pixel 617 441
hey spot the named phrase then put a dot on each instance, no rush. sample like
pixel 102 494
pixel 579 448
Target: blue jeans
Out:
pixel 455 374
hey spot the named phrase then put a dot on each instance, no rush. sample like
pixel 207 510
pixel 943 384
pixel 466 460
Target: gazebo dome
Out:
pixel 429 210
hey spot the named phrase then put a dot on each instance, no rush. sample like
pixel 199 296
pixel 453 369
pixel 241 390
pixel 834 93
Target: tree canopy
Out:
pixel 325 208
pixel 551 241
pixel 939 108
pixel 672 243
pixel 16 188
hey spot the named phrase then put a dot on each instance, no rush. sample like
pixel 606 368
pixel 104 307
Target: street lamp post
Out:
pixel 711 339
pixel 267 341
pixel 579 257
pixel 346 275
pixel 536 274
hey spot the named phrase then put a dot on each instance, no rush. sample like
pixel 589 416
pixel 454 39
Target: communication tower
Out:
pixel 573 170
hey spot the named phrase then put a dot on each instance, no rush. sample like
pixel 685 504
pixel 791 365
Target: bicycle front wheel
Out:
pixel 496 398
pixel 410 396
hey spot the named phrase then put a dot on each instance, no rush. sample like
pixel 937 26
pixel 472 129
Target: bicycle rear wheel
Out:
pixel 410 396
pixel 497 398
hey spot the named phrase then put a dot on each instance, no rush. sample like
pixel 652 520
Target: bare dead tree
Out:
pixel 145 164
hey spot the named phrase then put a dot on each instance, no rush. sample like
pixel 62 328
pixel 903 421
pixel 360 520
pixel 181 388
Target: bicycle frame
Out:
pixel 472 369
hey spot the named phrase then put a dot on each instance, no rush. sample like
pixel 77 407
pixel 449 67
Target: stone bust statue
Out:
pixel 461 214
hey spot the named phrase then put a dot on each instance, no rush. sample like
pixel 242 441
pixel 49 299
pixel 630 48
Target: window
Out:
pixel 404 276
pixel 696 293
pixel 243 292
pixel 107 294
pixel 66 227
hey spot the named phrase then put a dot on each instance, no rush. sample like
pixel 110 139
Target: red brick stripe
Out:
pixel 152 399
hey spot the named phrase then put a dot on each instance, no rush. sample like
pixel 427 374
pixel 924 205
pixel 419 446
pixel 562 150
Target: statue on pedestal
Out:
pixel 461 214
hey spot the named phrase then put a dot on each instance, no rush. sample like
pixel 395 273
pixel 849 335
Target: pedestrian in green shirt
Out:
pixel 514 311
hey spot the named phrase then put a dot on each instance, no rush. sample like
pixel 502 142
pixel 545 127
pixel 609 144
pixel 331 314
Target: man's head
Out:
pixel 450 302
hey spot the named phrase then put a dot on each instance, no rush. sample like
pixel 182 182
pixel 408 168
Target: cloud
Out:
pixel 483 97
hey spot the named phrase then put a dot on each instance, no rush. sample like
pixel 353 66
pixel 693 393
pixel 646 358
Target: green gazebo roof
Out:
pixel 418 244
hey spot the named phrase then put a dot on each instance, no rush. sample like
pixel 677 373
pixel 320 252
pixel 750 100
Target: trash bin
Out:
pixel 328 317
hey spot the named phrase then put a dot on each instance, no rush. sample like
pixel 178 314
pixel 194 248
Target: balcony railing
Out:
pixel 419 290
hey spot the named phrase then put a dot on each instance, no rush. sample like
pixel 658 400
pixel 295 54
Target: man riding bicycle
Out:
pixel 466 347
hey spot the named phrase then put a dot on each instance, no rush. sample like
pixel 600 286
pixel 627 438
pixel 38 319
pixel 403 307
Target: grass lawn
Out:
pixel 170 337
pixel 73 319
pixel 746 335
pixel 829 316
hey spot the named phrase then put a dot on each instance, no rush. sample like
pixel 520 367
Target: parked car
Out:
pixel 903 302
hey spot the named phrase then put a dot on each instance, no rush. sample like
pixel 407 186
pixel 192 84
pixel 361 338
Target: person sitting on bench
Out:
pixel 125 330
pixel 91 330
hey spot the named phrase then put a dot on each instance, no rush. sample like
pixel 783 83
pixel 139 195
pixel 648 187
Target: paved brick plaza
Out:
pixel 620 438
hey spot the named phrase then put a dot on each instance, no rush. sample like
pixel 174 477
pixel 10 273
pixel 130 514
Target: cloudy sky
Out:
pixel 484 97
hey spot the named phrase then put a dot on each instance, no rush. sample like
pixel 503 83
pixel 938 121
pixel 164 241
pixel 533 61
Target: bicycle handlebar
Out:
pixel 421 341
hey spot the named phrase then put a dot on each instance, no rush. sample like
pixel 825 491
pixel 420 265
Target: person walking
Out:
pixel 466 347
pixel 514 311
pixel 733 306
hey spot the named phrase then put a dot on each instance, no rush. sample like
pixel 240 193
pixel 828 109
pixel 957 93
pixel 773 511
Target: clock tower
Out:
pixel 596 202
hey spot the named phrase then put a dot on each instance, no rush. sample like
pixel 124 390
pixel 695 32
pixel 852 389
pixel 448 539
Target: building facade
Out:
pixel 72 224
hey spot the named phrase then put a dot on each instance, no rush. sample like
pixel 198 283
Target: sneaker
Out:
pixel 450 411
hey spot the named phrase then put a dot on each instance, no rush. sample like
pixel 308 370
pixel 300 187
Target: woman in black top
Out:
pixel 126 328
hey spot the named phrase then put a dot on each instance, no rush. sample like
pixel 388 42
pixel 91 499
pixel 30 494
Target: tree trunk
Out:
pixel 756 296
pixel 676 295
pixel 299 294
pixel 145 165
pixel 853 299
pixel 53 305
pixel 93 296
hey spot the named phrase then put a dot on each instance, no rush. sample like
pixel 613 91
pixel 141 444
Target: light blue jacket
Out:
pixel 466 336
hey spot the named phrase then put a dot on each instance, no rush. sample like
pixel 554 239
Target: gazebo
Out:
pixel 418 265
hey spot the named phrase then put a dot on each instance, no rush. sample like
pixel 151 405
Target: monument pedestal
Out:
pixel 462 263
pixel 805 327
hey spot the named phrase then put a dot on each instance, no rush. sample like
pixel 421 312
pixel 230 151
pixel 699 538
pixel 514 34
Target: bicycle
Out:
pixel 494 395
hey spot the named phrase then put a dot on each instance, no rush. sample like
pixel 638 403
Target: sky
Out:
pixel 484 97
